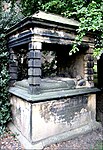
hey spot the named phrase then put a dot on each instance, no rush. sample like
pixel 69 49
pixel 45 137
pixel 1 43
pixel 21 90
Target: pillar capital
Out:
pixel 35 45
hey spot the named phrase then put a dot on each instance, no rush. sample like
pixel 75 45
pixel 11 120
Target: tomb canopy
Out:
pixel 31 36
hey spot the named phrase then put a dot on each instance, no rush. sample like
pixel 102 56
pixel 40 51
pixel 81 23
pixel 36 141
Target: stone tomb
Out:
pixel 57 108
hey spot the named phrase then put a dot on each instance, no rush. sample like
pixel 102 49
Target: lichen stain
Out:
pixel 64 110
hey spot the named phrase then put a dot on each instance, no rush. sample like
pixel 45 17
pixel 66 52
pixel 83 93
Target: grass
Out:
pixel 98 146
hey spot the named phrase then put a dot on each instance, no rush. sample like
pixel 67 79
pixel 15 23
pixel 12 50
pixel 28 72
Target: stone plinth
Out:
pixel 51 117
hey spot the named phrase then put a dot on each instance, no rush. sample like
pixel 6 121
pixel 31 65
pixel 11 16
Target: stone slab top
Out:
pixel 48 96
pixel 43 19
pixel 55 18
pixel 49 84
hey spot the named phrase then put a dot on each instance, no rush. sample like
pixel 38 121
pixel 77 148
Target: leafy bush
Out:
pixel 7 18
pixel 4 77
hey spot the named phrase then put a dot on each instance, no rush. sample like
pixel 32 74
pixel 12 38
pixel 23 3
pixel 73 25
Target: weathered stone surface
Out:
pixel 34 80
pixel 34 89
pixel 90 78
pixel 90 64
pixel 92 105
pixel 12 64
pixel 88 71
pixel 54 84
pixel 59 116
pixel 35 45
pixel 13 69
pixel 34 120
pixel 21 111
pixel 13 75
pixel 34 54
pixel 81 82
pixel 34 63
pixel 12 82
pixel 34 72
pixel 88 57
pixel 55 18
pixel 90 50
pixel 72 65
pixel 48 94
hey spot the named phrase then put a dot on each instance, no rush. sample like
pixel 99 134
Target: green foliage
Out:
pixel 7 18
pixel 4 77
pixel 91 20
pixel 55 6
pixel 31 6
pixel 98 145
pixel 87 12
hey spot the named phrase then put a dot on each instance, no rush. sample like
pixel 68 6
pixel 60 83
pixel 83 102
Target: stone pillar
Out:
pixel 34 67
pixel 88 66
pixel 13 65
